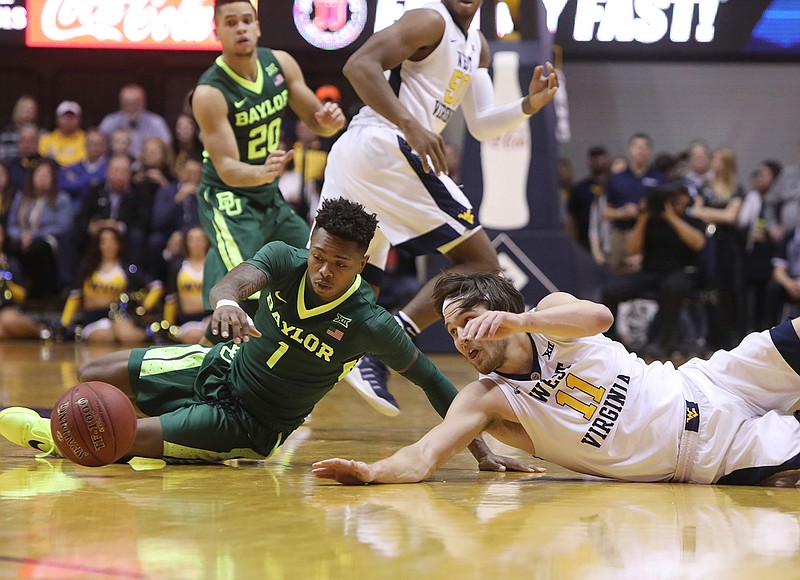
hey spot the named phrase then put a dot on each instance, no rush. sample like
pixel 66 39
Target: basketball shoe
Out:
pixel 24 427
pixel 369 378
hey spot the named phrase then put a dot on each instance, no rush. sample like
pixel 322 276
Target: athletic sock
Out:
pixel 407 324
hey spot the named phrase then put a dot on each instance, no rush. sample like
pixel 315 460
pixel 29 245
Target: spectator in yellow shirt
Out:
pixel 67 142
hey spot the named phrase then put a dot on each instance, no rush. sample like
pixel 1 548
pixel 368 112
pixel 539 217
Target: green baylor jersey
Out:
pixel 308 345
pixel 255 112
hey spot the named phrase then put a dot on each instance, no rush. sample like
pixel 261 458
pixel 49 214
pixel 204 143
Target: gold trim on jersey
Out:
pixel 184 452
pixel 252 86
pixel 304 312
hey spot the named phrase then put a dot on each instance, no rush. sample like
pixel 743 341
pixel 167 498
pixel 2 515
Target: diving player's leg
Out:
pixel 109 368
pixel 762 448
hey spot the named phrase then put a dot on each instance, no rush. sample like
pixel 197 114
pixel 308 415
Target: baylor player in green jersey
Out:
pixel 244 396
pixel 239 104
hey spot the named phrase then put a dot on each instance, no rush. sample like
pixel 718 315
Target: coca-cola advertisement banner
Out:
pixel 127 24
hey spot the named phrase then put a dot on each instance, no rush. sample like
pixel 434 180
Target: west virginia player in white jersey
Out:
pixel 391 159
pixel 553 386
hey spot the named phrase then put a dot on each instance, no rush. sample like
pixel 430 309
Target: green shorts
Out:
pixel 238 226
pixel 186 386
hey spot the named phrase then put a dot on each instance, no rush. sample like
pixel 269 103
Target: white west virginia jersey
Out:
pixel 593 407
pixel 433 88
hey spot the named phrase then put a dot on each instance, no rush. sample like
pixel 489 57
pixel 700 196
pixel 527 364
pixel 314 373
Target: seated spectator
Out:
pixel 120 143
pixel 28 156
pixel 174 209
pixel 784 287
pixel 669 243
pixel 101 302
pixel 26 111
pixel 758 248
pixel 77 179
pixel 783 201
pixel 183 304
pixel 67 142
pixel 133 115
pixel 14 323
pixel 154 164
pixel 39 222
pixel 119 204
pixel 186 142
pixel 6 191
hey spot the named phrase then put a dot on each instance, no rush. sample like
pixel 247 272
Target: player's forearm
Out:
pixel 243 281
pixel 407 465
pixel 574 320
pixel 485 119
pixel 235 173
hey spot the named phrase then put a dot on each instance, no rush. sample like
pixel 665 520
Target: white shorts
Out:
pixel 744 396
pixel 373 165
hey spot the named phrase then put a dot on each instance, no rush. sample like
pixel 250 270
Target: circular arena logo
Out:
pixel 330 24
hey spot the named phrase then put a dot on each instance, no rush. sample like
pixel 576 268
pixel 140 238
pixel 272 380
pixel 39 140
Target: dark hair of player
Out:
pixel 470 290
pixel 347 220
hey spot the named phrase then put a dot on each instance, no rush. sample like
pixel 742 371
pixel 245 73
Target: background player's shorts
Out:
pixel 186 387
pixel 238 226
pixel 372 165
pixel 746 431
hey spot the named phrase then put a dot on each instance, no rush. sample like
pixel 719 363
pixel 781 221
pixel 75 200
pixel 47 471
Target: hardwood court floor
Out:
pixel 273 520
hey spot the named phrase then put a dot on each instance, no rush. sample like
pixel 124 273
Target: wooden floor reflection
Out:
pixel 274 520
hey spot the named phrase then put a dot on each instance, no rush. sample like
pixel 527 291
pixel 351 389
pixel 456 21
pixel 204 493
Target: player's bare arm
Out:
pixel 324 119
pixel 467 417
pixel 228 318
pixel 558 314
pixel 412 37
pixel 211 112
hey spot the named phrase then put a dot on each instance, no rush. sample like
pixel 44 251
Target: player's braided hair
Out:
pixel 347 220
pixel 470 290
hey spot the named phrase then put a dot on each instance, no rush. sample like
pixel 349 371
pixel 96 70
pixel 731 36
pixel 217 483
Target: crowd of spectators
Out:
pixel 682 231
pixel 94 219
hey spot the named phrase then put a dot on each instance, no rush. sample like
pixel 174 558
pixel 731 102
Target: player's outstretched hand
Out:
pixel 345 471
pixel 330 116
pixel 542 89
pixel 493 462
pixel 230 321
pixel 275 163
pixel 493 325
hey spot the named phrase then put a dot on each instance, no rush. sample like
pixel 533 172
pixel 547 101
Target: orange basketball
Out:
pixel 93 424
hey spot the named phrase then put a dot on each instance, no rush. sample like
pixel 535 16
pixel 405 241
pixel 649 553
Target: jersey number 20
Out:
pixel 264 139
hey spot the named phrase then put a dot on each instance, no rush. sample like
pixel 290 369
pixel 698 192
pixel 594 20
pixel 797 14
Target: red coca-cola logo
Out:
pixel 143 24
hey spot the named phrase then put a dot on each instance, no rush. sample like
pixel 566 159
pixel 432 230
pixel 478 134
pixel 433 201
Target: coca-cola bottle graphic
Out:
pixel 505 160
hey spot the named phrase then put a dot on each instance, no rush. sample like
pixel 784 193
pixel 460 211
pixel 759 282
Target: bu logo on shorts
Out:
pixel 230 204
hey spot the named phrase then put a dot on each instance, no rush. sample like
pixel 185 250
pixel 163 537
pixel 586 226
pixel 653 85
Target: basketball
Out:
pixel 93 424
